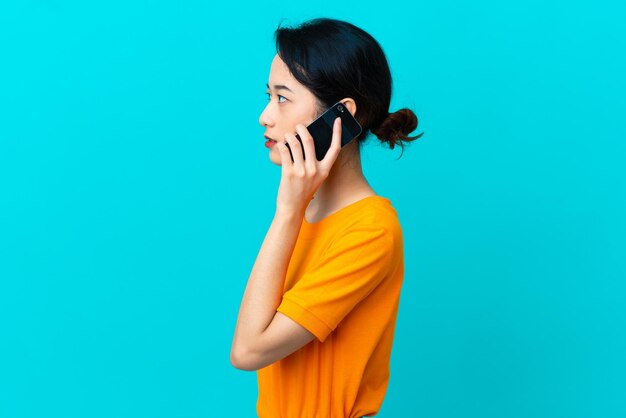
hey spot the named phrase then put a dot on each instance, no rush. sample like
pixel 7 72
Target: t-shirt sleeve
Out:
pixel 349 270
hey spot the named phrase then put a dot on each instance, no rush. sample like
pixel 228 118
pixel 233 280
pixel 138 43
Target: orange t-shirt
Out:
pixel 343 284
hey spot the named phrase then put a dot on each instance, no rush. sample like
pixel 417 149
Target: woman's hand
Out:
pixel 301 178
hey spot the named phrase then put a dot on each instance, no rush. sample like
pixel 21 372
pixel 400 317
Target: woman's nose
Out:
pixel 265 119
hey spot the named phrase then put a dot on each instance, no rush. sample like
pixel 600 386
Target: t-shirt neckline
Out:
pixel 307 227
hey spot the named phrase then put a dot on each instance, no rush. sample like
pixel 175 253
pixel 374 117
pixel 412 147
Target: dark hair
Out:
pixel 335 59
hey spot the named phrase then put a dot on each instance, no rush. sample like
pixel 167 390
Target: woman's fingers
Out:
pixel 296 149
pixel 304 145
pixel 285 156
pixel 308 146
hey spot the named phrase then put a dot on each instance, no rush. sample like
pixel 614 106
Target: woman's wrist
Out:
pixel 289 214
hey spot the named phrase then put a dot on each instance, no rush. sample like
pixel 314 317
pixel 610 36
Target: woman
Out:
pixel 318 313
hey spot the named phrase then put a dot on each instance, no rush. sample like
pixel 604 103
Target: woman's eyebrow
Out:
pixel 280 87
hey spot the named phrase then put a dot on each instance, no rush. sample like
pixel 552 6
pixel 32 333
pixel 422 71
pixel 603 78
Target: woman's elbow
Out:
pixel 243 360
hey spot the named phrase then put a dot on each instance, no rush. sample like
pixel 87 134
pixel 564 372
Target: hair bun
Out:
pixel 396 127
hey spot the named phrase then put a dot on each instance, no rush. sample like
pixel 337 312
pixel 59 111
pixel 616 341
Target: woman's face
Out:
pixel 290 103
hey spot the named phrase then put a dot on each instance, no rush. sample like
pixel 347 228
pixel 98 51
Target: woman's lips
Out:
pixel 269 142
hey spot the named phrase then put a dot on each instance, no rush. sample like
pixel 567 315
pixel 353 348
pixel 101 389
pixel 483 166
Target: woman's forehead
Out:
pixel 279 72
pixel 281 79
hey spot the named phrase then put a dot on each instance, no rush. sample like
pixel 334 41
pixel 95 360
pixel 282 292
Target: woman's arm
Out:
pixel 262 335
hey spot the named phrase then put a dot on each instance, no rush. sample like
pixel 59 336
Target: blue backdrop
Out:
pixel 135 192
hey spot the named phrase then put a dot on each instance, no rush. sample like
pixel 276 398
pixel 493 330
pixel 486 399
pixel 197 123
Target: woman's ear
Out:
pixel 350 105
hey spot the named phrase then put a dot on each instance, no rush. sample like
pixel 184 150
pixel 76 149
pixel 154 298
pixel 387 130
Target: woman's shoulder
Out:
pixel 375 213
pixel 367 216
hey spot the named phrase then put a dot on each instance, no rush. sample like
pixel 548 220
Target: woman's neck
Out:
pixel 344 185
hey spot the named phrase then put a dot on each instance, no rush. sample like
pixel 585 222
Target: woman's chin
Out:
pixel 275 158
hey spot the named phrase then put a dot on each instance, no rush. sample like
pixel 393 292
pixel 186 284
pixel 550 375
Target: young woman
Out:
pixel 318 313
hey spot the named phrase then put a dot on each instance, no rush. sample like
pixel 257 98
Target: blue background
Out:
pixel 135 192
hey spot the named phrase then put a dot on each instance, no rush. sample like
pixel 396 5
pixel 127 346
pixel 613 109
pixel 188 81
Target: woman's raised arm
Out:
pixel 263 335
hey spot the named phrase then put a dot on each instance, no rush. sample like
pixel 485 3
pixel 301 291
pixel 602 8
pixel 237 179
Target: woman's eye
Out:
pixel 269 97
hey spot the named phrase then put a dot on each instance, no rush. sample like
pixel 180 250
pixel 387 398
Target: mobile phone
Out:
pixel 321 129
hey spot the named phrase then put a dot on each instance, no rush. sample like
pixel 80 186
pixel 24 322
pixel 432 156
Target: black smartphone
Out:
pixel 321 129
